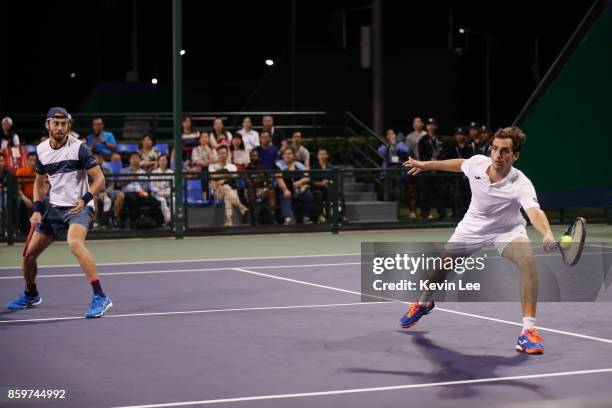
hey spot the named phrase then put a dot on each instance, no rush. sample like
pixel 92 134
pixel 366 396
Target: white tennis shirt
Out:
pixel 495 207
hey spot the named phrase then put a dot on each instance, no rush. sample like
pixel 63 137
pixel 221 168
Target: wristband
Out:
pixel 38 206
pixel 87 197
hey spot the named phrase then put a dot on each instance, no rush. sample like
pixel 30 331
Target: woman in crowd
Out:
pixel 189 134
pixel 148 155
pixel 224 184
pixel 219 136
pixel 294 193
pixel 239 155
pixel 203 156
pixel 161 187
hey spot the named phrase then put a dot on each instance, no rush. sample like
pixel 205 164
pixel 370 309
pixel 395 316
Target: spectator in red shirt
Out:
pixel 25 187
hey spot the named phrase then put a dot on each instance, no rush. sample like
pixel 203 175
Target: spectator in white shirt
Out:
pixel 250 137
pixel 224 186
pixel 220 136
pixel 9 137
pixel 299 152
pixel 238 155
pixel 162 186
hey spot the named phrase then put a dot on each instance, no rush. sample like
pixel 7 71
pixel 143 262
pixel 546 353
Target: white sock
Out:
pixel 528 322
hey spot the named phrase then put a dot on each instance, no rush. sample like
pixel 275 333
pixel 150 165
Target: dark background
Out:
pixel 42 43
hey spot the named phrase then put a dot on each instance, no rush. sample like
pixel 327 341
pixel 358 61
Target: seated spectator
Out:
pixel 294 193
pixel 268 153
pixel 25 189
pixel 100 140
pixel 277 136
pixel 189 134
pixel 300 152
pixel 430 148
pixel 320 182
pixel 110 201
pixel 220 136
pixel 239 156
pixel 397 152
pixel 115 157
pixel 9 137
pixel 139 203
pixel 224 185
pixel 250 137
pixel 162 187
pixel 260 186
pixel 148 155
pixel 203 155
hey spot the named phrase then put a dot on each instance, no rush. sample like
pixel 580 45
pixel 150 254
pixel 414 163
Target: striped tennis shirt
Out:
pixel 67 168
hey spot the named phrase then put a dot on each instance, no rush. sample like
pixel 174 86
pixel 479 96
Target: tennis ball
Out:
pixel 565 241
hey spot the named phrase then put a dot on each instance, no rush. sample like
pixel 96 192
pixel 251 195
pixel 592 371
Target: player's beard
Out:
pixel 58 138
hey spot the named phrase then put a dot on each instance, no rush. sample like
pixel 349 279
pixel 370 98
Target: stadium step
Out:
pixel 356 197
pixel 368 211
pixel 357 187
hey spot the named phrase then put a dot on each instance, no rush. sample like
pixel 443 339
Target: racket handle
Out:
pixel 551 246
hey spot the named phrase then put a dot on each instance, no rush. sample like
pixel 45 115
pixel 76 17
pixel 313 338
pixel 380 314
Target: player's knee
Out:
pixel 75 245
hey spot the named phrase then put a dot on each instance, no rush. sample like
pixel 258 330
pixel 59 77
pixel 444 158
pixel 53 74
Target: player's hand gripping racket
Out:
pixel 572 241
pixel 27 243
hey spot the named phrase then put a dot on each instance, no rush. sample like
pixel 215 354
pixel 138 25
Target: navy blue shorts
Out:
pixel 56 220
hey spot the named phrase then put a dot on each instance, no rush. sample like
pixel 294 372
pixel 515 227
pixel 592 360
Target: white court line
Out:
pixel 188 312
pixel 265 275
pixel 72 275
pixel 189 260
pixel 372 389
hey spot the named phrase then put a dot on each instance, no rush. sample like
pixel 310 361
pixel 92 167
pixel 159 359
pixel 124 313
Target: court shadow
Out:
pixel 451 365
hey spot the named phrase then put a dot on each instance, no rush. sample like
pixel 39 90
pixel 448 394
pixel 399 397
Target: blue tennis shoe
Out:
pixel 99 305
pixel 415 313
pixel 24 301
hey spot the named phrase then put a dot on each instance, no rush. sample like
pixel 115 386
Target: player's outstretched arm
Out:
pixel 416 166
pixel 540 222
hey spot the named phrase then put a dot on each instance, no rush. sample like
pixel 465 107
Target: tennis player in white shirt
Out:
pixel 498 192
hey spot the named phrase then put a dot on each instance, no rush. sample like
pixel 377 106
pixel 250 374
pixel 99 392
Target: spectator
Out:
pixel 224 186
pixel 268 153
pixel 162 187
pixel 100 140
pixel 25 189
pixel 250 137
pixel 9 137
pixel 485 135
pixel 277 135
pixel 476 143
pixel 431 190
pixel 136 189
pixel 203 155
pixel 294 194
pixel 413 138
pixel 395 152
pixel 148 155
pixel 239 156
pixel 259 186
pixel 189 134
pixel 320 183
pixel 459 149
pixel 460 187
pixel 299 152
pixel 219 136
pixel 110 201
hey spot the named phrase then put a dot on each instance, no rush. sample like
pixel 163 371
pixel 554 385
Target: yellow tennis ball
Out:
pixel 565 241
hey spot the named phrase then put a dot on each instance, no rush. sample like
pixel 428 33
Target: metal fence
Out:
pixel 266 201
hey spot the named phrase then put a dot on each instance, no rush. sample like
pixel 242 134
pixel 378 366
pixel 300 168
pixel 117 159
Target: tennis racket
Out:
pixel 27 243
pixel 577 231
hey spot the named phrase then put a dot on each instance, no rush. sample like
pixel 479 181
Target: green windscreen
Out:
pixel 568 127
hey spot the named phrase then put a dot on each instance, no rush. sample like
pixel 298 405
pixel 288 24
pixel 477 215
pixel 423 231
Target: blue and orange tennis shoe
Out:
pixel 99 305
pixel 530 342
pixel 415 313
pixel 24 301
